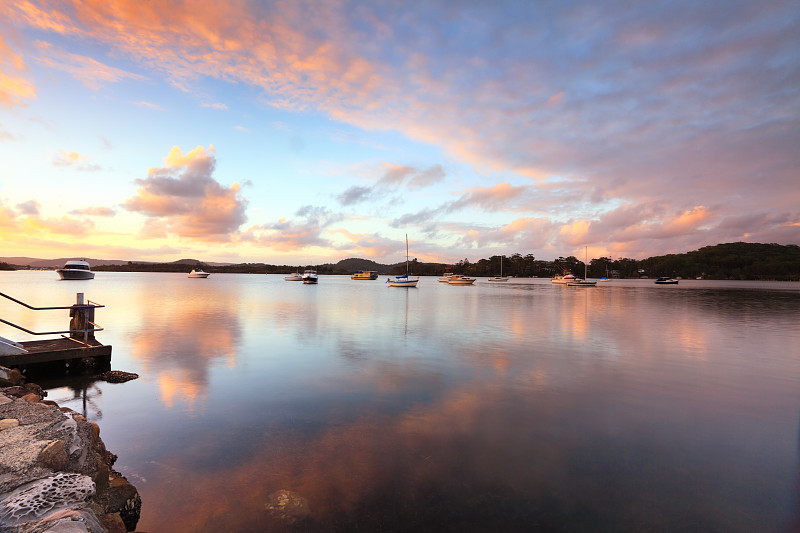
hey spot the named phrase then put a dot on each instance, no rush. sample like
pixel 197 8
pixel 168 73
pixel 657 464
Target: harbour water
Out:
pixel 518 406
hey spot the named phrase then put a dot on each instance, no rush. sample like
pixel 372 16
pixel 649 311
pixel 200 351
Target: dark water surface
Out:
pixel 497 407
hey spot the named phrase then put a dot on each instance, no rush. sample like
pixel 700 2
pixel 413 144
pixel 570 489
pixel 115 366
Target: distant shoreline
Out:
pixel 731 261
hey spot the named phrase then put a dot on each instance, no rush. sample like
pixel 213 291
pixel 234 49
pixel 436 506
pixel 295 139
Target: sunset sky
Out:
pixel 297 132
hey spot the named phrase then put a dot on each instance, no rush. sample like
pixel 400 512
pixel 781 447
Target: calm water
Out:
pixel 498 407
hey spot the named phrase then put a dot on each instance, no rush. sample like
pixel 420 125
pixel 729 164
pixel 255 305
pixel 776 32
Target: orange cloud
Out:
pixel 14 88
pixel 90 72
pixel 575 233
pixel 185 198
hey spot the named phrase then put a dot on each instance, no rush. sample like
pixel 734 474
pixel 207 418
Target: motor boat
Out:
pixel 364 274
pixel 310 277
pixel 445 277
pixel 563 279
pixel 664 280
pixel 76 270
pixel 297 276
pixel 198 273
pixel 458 279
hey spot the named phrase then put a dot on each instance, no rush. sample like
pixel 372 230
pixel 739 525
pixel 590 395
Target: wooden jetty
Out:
pixel 80 348
pixel 65 349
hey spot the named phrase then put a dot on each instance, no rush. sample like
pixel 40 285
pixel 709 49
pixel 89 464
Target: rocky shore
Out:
pixel 56 475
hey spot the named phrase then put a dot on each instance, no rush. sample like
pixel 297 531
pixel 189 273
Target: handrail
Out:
pixel 49 332
pixel 82 309
pixel 90 304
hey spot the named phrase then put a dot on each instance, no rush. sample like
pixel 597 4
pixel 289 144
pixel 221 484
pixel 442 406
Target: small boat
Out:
pixel 76 270
pixel 458 279
pixel 310 277
pixel 404 280
pixel 664 280
pixel 563 279
pixel 501 277
pixel 364 274
pixel 198 273
pixel 583 282
pixel 445 277
pixel 297 276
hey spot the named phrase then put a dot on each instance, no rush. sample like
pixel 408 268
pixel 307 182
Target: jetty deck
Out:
pixel 54 350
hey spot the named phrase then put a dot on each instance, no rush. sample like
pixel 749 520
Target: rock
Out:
pixel 123 498
pixel 54 456
pixel 36 389
pixel 10 377
pixel 287 506
pixel 15 392
pixel 32 397
pixel 7 423
pixel 117 376
pixel 113 523
pixel 37 499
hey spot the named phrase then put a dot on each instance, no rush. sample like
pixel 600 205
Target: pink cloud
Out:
pixel 186 200
pixel 99 211
pixel 87 70
pixel 15 89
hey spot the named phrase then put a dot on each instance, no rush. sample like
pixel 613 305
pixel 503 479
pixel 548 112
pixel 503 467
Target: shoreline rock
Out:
pixel 54 468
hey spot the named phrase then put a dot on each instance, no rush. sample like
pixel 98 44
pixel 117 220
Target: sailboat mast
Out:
pixel 406 253
pixel 585 262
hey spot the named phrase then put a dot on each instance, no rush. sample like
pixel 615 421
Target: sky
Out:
pixel 301 132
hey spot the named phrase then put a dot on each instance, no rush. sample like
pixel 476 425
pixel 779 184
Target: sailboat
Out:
pixel 583 282
pixel 501 277
pixel 404 280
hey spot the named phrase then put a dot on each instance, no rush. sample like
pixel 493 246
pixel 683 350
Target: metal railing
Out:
pixel 79 307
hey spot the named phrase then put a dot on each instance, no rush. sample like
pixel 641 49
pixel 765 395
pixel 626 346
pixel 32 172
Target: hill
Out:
pixel 738 260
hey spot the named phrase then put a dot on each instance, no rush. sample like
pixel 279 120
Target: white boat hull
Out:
pixel 499 278
pixel 198 275
pixel 457 280
pixel 69 273
pixel 409 283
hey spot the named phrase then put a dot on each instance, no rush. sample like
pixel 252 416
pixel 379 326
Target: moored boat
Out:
pixel 76 270
pixel 310 277
pixel 405 280
pixel 297 276
pixel 364 274
pixel 563 279
pixel 583 282
pixel 665 280
pixel 458 279
pixel 501 277
pixel 198 273
pixel 445 277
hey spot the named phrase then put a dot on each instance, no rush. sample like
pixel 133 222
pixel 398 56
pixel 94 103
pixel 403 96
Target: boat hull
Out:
pixel 410 283
pixel 499 278
pixel 582 284
pixel 365 275
pixel 66 273
pixel 460 280
pixel 198 275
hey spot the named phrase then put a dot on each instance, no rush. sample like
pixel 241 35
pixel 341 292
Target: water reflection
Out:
pixel 517 407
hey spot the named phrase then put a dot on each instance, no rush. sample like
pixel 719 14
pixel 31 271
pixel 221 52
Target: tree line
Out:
pixel 738 260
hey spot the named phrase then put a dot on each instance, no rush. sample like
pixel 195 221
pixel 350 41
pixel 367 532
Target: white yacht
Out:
pixel 76 270
pixel 297 276
pixel 198 273
pixel 458 279
pixel 310 277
